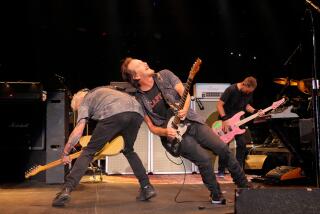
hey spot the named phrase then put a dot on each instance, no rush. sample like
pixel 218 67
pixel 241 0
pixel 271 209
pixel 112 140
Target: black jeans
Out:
pixel 241 152
pixel 126 124
pixel 200 137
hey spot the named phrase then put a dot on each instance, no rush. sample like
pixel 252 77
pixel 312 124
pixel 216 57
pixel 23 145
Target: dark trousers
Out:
pixel 126 124
pixel 241 152
pixel 200 137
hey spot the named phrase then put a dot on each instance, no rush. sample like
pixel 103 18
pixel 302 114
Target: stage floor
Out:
pixel 116 194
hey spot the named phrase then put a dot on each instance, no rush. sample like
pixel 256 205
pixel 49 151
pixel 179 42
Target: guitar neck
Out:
pixel 183 99
pixel 247 119
pixel 185 94
pixel 58 162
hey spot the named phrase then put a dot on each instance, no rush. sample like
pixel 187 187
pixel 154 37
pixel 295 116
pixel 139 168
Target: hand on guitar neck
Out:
pixel 66 159
pixel 226 125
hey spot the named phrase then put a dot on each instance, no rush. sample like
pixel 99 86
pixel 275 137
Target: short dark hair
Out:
pixel 127 74
pixel 250 82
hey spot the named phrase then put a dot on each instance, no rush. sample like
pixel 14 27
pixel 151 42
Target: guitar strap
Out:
pixel 160 82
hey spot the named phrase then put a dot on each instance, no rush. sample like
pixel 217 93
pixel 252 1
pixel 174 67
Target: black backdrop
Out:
pixel 85 40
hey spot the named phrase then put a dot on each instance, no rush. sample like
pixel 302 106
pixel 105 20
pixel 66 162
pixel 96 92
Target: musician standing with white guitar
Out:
pixel 158 93
pixel 116 113
pixel 236 98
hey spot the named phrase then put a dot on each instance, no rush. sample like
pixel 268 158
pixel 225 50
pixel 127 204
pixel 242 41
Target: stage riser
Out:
pixel 277 201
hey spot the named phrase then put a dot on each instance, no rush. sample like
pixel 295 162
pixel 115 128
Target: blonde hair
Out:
pixel 77 99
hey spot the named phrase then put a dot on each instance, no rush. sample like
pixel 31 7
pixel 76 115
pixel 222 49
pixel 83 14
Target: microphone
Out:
pixel 198 101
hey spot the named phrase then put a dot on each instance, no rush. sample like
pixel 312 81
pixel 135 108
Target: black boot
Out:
pixel 62 198
pixel 146 193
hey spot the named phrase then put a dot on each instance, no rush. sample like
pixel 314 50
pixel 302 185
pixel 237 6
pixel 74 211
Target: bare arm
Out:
pixel 74 136
pixel 157 130
pixel 250 109
pixel 222 113
pixel 220 108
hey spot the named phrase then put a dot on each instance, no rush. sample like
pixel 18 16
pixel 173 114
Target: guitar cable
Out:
pixel 183 183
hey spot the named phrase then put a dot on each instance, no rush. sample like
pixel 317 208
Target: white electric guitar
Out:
pixel 173 145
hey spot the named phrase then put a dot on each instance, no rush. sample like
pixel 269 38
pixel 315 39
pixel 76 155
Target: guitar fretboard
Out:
pixel 241 122
pixel 58 162
pixel 176 119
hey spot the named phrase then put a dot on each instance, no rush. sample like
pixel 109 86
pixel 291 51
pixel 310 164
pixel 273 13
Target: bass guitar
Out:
pixel 235 123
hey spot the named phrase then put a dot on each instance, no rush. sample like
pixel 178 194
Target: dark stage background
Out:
pixel 85 40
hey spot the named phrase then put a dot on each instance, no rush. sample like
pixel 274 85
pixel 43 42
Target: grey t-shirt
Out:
pixel 166 82
pixel 104 102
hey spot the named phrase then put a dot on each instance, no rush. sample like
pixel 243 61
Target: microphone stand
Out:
pixel 61 80
pixel 315 89
pixel 280 94
pixel 293 53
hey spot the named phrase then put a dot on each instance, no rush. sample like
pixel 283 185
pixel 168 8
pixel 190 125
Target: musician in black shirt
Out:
pixel 236 98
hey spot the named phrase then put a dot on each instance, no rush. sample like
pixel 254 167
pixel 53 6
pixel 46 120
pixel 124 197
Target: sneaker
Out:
pixel 220 174
pixel 62 198
pixel 217 199
pixel 146 193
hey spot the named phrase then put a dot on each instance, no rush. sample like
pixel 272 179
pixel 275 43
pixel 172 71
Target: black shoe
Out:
pixel 217 199
pixel 62 198
pixel 146 193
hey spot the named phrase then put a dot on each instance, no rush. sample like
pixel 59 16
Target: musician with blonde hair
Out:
pixel 116 113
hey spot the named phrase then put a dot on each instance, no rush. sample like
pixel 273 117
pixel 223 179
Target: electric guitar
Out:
pixel 109 149
pixel 235 123
pixel 175 122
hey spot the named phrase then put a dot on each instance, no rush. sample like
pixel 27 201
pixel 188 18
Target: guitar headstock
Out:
pixel 33 171
pixel 195 68
pixel 278 103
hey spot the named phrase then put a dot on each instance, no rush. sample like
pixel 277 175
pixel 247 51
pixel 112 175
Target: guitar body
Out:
pixel 110 148
pixel 173 145
pixel 235 122
pixel 232 132
pixel 181 128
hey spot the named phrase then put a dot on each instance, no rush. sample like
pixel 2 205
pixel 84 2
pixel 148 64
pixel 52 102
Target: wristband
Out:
pixel 224 118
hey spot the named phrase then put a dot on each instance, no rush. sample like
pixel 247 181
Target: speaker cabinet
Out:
pixel 22 125
pixel 163 162
pixel 56 133
pixel 207 109
pixel 119 164
pixel 23 133
pixel 277 201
